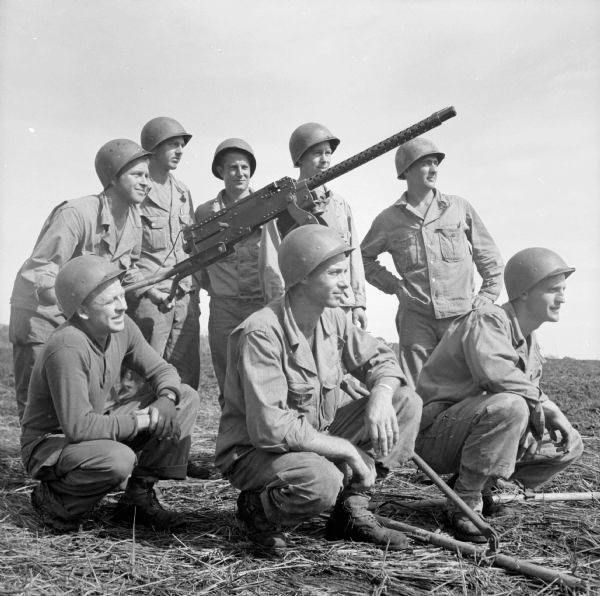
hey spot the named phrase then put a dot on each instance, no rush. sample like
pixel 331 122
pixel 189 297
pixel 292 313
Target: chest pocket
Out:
pixel 452 244
pixel 405 252
pixel 155 232
pixel 301 397
pixel 330 395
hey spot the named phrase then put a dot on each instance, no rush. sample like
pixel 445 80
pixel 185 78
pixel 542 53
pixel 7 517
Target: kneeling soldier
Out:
pixel 283 439
pixel 78 450
pixel 485 416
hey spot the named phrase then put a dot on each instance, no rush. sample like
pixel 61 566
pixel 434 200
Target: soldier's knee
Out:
pixel 511 408
pixel 189 399
pixel 407 403
pixel 121 461
pixel 327 482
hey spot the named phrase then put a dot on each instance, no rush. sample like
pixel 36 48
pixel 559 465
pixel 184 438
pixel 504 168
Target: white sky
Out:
pixel 524 77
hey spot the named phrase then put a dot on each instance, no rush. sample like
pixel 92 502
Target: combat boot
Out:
pixel 51 510
pixel 260 530
pixel 139 502
pixel 352 520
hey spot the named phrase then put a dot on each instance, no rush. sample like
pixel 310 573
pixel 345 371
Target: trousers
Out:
pixel 479 438
pixel 80 474
pixel 296 486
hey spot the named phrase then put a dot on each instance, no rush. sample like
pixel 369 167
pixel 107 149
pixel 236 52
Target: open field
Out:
pixel 212 555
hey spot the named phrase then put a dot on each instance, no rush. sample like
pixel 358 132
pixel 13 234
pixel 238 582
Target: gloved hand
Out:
pixel 166 426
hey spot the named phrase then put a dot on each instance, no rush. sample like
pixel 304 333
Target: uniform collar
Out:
pixel 442 200
pixel 178 192
pixel 517 337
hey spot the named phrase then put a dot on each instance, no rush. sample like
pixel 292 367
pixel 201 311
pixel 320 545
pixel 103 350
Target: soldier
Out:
pixel 485 416
pixel 311 147
pixel 434 239
pixel 169 324
pixel 284 439
pixel 70 442
pixel 107 224
pixel 236 284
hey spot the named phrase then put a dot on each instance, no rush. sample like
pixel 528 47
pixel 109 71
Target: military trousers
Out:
pixel 479 438
pixel 296 486
pixel 224 316
pixel 80 474
pixel 418 334
pixel 174 334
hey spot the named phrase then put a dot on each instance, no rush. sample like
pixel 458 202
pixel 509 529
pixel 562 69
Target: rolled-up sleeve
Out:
pixel 271 425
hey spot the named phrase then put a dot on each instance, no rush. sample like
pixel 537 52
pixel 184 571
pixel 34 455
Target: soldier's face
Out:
pixel 325 286
pixel 315 159
pixel 423 173
pixel 133 183
pixel 104 311
pixel 168 154
pixel 544 300
pixel 235 171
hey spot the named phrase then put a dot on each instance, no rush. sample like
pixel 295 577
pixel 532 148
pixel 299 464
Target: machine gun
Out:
pixel 215 236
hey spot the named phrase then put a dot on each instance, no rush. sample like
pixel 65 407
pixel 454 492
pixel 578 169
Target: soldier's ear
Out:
pixel 220 171
pixel 82 313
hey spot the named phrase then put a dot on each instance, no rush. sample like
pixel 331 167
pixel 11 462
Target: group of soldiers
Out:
pixel 314 409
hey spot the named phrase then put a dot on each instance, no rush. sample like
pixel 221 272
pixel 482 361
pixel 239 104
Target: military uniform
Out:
pixel 480 390
pixel 76 227
pixel 434 255
pixel 174 334
pixel 279 393
pixel 73 443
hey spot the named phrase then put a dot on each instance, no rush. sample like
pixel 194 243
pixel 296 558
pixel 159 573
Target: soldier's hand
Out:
pixel 555 421
pixel 359 317
pixel 158 297
pixel 381 424
pixel 363 470
pixel 528 447
pixel 166 426
pixel 47 297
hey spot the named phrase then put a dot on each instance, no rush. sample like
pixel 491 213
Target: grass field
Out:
pixel 212 555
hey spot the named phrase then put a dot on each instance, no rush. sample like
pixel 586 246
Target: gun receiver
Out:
pixel 215 236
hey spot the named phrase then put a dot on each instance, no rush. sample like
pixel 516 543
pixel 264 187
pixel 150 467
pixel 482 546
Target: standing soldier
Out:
pixel 70 441
pixel 236 284
pixel 311 148
pixel 169 323
pixel 434 239
pixel 485 416
pixel 107 224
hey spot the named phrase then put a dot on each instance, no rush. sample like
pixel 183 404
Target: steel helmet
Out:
pixel 113 156
pixel 79 278
pixel 305 248
pixel 307 135
pixel 160 129
pixel 414 150
pixel 529 267
pixel 233 145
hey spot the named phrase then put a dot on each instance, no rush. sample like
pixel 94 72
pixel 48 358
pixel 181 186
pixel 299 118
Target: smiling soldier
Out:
pixel 107 225
pixel 77 448
pixel 434 240
pixel 284 438
pixel 485 416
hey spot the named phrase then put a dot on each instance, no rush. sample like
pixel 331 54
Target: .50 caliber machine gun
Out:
pixel 214 237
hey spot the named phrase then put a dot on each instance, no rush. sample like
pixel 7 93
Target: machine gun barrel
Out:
pixel 214 236
pixel 436 119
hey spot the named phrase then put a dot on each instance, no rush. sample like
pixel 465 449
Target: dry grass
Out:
pixel 212 555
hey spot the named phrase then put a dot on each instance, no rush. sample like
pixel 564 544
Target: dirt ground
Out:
pixel 212 555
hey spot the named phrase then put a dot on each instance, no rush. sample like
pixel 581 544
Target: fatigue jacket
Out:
pixel 162 237
pixel 78 227
pixel 72 381
pixel 244 273
pixel 482 352
pixel 434 255
pixel 278 392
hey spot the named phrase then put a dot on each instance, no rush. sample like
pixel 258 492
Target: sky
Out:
pixel 524 77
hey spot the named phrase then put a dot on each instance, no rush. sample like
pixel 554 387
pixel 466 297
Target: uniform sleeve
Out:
pixel 271 425
pixel 68 382
pixel 56 245
pixel 492 360
pixel 357 270
pixel 373 244
pixel 368 358
pixel 268 265
pixel 486 255
pixel 144 360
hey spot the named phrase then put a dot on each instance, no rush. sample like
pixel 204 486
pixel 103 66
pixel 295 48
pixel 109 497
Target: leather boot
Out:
pixel 140 502
pixel 51 510
pixel 352 520
pixel 260 530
